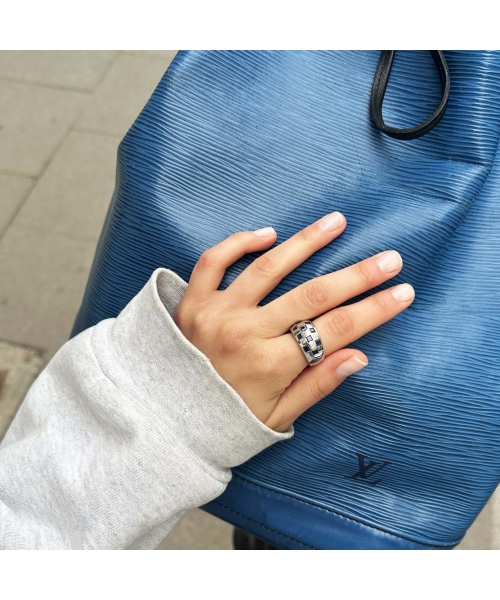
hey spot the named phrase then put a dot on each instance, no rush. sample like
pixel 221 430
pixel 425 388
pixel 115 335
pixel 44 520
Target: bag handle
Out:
pixel 379 87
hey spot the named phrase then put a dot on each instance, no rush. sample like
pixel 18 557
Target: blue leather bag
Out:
pixel 405 453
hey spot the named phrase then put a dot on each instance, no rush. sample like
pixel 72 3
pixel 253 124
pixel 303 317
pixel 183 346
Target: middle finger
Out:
pixel 319 295
pixel 264 274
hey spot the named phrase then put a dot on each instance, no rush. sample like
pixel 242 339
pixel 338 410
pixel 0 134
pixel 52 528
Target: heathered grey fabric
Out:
pixel 127 428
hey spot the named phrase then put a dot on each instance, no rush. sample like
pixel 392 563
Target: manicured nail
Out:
pixel 265 232
pixel 332 221
pixel 389 261
pixel 350 366
pixel 403 292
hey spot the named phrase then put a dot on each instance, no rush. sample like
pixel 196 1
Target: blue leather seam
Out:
pixel 338 514
pixel 263 526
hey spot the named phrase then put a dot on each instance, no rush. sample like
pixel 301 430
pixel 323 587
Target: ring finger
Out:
pixel 342 326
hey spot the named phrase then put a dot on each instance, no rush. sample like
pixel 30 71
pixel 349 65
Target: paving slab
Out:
pixel 70 69
pixel 73 195
pixel 121 96
pixel 33 122
pixel 483 533
pixel 43 277
pixel 167 55
pixel 197 530
pixel 13 191
pixel 19 365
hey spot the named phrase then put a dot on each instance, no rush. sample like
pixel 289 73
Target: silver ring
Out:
pixel 309 342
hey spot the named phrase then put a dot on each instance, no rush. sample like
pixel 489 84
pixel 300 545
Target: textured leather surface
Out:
pixel 241 140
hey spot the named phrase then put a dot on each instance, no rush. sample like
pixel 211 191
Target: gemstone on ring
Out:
pixel 308 340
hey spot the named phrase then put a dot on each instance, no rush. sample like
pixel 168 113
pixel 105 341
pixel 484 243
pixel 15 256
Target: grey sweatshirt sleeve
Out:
pixel 127 428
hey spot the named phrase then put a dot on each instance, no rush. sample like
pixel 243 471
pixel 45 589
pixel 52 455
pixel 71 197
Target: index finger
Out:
pixel 212 264
pixel 264 274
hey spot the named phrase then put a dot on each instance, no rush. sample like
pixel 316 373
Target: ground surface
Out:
pixel 62 115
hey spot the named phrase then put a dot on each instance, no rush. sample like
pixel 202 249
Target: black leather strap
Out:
pixel 378 92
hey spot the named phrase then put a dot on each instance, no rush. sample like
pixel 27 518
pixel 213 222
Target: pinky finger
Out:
pixel 313 384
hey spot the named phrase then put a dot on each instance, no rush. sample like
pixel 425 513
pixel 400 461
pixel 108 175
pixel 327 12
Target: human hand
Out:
pixel 250 346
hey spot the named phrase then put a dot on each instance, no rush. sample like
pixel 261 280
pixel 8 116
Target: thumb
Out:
pixel 313 384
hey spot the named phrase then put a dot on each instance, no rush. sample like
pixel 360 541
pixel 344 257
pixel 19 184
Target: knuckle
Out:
pixel 209 258
pixel 341 323
pixel 319 389
pixel 241 238
pixel 232 339
pixel 315 295
pixel 309 234
pixel 382 302
pixel 265 264
pixel 231 342
pixel 202 323
pixel 364 272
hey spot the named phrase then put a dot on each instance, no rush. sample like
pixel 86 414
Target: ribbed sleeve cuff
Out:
pixel 161 366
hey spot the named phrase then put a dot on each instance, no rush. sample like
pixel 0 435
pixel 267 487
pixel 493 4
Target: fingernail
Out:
pixel 265 232
pixel 403 292
pixel 389 261
pixel 350 366
pixel 332 221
